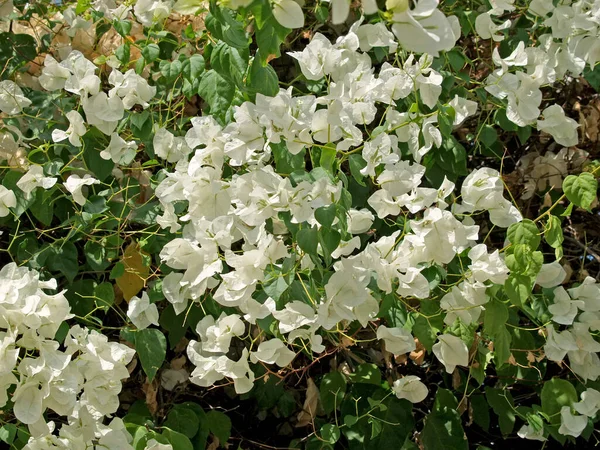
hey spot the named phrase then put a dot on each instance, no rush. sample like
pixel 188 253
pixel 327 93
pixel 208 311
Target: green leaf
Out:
pixel 151 347
pixel 308 239
pixel 230 62
pixel 496 316
pixel 171 69
pixel 488 135
pixel 94 142
pixel 581 190
pixel 183 420
pixel 16 49
pixel 502 403
pixel 217 92
pixel 425 332
pixel 105 295
pixel 285 162
pixel 178 441
pixel 263 79
pixel 396 421
pixel 443 431
pixel 329 240
pixel 193 67
pixel 557 393
pixel 325 215
pixel 593 77
pixel 357 163
pixel 327 158
pixel 502 340
pixel 481 411
pixel 95 254
pixel 517 288
pixel 219 425
pixel 330 433
pixel 8 432
pixel 366 373
pixel 43 208
pixel 269 39
pixel 553 232
pixel 151 52
pixel 524 232
pixel 123 27
pixel 449 160
pixel 63 258
pixel 332 390
pixel 123 53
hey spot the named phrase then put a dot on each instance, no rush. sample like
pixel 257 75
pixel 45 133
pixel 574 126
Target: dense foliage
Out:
pixel 278 224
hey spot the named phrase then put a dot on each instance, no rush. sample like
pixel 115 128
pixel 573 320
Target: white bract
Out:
pixel 75 184
pixel 451 351
pixel 141 312
pixel 410 388
pixel 12 99
pixel 35 178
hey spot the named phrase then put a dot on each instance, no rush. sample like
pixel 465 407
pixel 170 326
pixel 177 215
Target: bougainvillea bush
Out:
pixel 284 224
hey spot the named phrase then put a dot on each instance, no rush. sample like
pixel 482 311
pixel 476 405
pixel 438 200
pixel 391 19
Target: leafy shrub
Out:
pixel 266 223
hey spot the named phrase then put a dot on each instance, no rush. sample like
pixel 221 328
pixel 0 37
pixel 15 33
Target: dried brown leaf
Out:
pixel 311 403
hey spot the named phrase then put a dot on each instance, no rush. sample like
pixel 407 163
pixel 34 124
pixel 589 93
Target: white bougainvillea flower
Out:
pixel 360 221
pixel 570 424
pixel 54 75
pixel 288 13
pixel 339 11
pixel 487 266
pixel 12 99
pixel 294 315
pixel 397 340
pixel 141 312
pixel 7 200
pixel 153 444
pixel 131 88
pixel 150 11
pixel 103 112
pixel 410 388
pixel 423 29
pixel 562 128
pixel 487 29
pixel 558 343
pixel 168 146
pixel 376 35
pixel 551 275
pixel 500 6
pixel 75 184
pixel 74 132
pixel 273 351
pixel 589 293
pixel 528 432
pixel 451 351
pixel 589 404
pixel 563 309
pixel 119 150
pixel 28 399
pixel 463 109
pixel 216 335
pixel 35 178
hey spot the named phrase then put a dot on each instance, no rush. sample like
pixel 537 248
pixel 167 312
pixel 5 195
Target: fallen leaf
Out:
pixel 134 278
pixel 178 363
pixel 311 403
pixel 418 354
pixel 456 380
pixel 151 389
